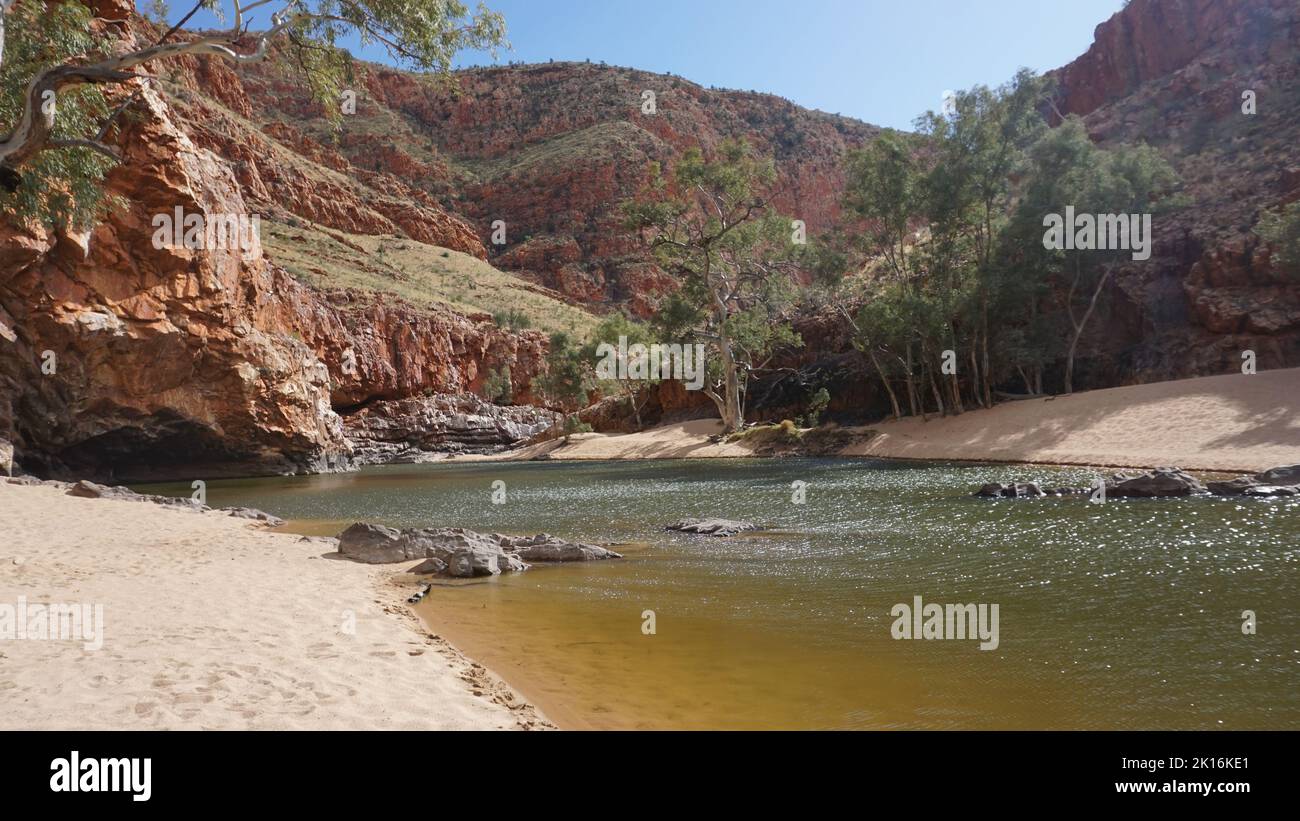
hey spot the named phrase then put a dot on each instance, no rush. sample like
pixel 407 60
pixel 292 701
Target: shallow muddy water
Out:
pixel 1122 615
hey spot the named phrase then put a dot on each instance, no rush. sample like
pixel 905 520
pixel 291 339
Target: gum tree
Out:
pixel 615 330
pixel 1067 169
pixel 711 222
pixel 55 124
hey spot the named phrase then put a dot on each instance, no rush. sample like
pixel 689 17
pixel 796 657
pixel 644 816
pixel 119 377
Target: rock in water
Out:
pixel 547 548
pixel 1284 475
pixel 1160 482
pixel 1015 490
pixel 461 553
pixel 711 527
pixel 1232 487
pixel 1154 483
pixel 1274 482
pixel 1273 491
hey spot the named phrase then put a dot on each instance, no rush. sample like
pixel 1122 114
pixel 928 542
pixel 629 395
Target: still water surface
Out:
pixel 1122 615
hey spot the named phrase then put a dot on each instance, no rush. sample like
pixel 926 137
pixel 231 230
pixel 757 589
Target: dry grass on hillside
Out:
pixel 419 273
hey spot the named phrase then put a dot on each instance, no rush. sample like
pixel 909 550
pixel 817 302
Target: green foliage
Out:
pixel 883 188
pixel 572 425
pixel 1281 229
pixel 1065 168
pixel 498 387
pixel 711 223
pixel 64 186
pixel 816 407
pixel 158 11
pixel 610 330
pixel 512 319
pixel 954 235
pixel 424 35
pixel 61 186
pixel 567 380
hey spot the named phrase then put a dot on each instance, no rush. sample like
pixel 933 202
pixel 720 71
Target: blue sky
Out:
pixel 882 61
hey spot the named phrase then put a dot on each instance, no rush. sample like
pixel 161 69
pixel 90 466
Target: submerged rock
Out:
pixel 712 527
pixel 461 553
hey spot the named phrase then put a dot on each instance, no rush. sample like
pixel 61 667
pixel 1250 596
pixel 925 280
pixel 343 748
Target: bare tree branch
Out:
pixel 93 145
pixel 34 130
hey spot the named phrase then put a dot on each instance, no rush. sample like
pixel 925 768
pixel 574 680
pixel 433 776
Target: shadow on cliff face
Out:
pixel 161 446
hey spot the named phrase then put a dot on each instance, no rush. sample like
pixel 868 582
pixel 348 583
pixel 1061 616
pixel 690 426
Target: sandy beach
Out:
pixel 211 622
pixel 1236 422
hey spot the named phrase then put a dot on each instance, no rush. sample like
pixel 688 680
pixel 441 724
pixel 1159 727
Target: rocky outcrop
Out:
pixel 1151 39
pixel 458 552
pixel 378 347
pixel 1172 73
pixel 123 357
pixel 120 360
pixel 415 429
pixel 711 527
pixel 552 150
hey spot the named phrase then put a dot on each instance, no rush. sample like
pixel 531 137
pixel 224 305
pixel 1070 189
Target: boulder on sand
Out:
pixel 254 514
pixel 711 527
pixel 461 553
pixel 91 490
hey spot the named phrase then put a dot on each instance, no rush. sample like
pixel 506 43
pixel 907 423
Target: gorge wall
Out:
pixel 195 363
pixel 1173 73
pixel 123 360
